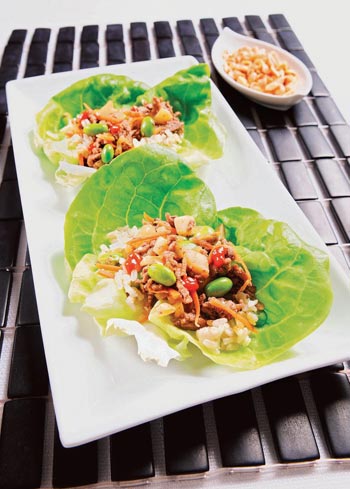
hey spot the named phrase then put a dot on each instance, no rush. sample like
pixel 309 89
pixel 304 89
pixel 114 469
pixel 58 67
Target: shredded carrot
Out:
pixel 106 266
pixel 106 273
pixel 147 217
pixel 81 159
pixel 137 241
pixel 245 268
pixel 227 310
pixel 144 317
pixel 245 285
pixel 201 242
pixel 107 118
pixel 197 307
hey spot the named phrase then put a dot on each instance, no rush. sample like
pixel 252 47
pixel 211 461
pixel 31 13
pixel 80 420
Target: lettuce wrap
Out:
pixel 62 136
pixel 291 278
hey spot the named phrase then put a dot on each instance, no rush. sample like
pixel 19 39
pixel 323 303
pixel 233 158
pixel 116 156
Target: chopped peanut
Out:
pixel 260 70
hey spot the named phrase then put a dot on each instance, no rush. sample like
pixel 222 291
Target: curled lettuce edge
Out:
pixel 69 175
pixel 276 258
pixel 150 346
pixel 188 91
pixel 101 298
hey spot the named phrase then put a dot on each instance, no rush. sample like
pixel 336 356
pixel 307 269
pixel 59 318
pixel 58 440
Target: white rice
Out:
pixel 168 138
pixel 84 142
pixel 120 237
pixel 225 335
pixel 124 282
pixel 85 122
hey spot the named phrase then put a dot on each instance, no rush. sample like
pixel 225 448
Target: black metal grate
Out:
pixel 308 146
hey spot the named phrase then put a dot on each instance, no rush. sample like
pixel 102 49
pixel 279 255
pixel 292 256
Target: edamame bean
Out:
pixel 95 128
pixel 107 153
pixel 147 126
pixel 218 287
pixel 161 274
pixel 262 318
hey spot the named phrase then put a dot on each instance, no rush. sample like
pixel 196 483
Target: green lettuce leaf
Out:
pixel 189 93
pixel 147 179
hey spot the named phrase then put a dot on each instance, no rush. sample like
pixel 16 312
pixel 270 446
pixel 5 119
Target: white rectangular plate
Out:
pixel 100 385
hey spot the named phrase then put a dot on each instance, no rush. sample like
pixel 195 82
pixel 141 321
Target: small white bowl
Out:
pixel 231 41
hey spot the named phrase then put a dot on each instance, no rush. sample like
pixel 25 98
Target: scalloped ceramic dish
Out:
pixel 231 41
pixel 100 385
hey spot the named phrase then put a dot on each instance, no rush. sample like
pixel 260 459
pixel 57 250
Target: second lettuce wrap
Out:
pixel 187 93
pixel 291 277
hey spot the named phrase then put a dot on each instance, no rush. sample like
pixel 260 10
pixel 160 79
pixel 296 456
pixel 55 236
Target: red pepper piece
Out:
pixel 190 283
pixel 84 115
pixel 218 256
pixel 115 130
pixel 133 262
